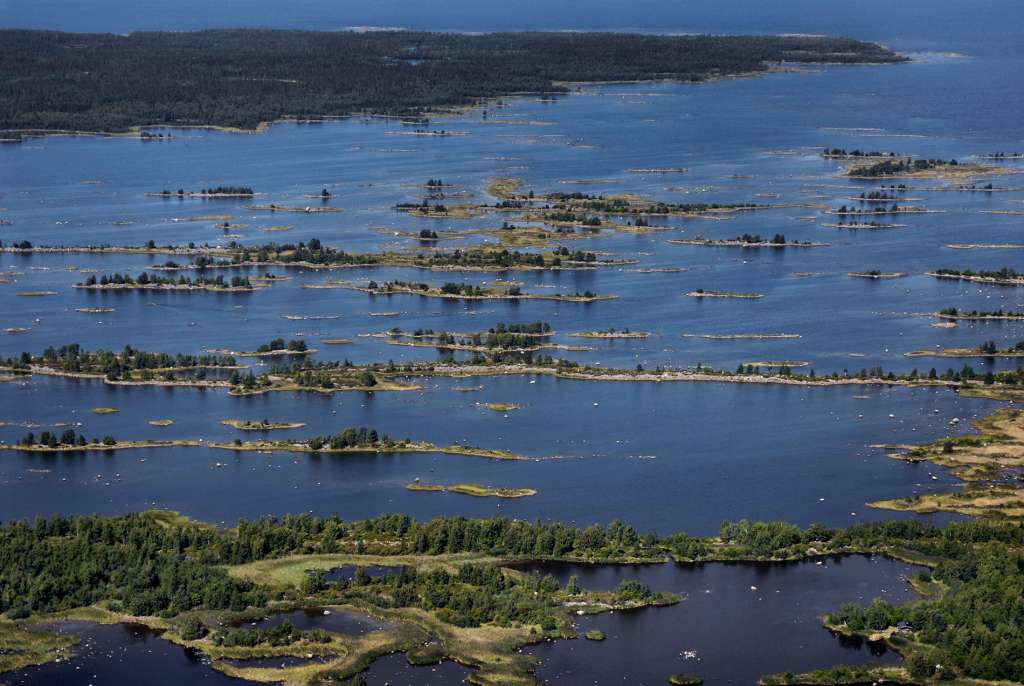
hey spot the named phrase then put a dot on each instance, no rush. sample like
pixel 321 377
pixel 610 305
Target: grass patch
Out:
pixel 20 648
pixel 501 407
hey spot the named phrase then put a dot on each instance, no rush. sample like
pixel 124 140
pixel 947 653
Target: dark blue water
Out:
pixel 120 653
pixel 693 454
pixel 740 622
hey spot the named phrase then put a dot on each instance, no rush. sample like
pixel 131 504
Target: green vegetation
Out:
pixel 128 365
pixel 895 208
pixel 900 166
pixel 155 566
pixel 685 680
pixel 262 425
pixel 315 253
pixel 238 191
pixel 1006 275
pixel 69 438
pixel 503 337
pixel 462 290
pixel 20 648
pixel 580 208
pixel 981 315
pixel 278 345
pixel 855 153
pixel 155 281
pixel 353 440
pixel 843 675
pixel 595 635
pixel 241 78
pixel 986 349
pixel 748 240
pixel 988 460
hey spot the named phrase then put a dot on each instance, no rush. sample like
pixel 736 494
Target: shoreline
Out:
pixel 399 447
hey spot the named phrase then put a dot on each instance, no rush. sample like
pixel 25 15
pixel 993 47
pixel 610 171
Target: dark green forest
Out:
pixel 153 564
pixel 240 78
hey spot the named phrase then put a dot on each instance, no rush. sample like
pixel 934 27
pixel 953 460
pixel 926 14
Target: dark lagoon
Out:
pixel 737 622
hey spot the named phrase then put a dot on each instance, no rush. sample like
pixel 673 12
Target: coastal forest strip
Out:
pixel 52 81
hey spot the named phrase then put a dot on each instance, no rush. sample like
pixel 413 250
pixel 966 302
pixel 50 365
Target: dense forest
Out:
pixel 239 78
pixel 155 564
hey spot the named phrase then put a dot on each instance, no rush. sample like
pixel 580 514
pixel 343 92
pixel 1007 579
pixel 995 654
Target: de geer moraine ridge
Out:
pixel 671 349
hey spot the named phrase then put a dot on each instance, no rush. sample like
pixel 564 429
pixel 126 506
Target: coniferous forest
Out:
pixel 240 78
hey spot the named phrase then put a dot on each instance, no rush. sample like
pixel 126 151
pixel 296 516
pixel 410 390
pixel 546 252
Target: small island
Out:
pixel 72 441
pixel 1003 277
pixel 845 210
pixel 986 349
pixel 979 315
pixel 363 440
pixel 749 241
pixel 501 407
pixel 146 281
pixel 876 274
pixel 611 333
pixel 261 425
pixel 274 348
pixel 846 224
pixel 458 291
pixel 701 293
pixel 473 489
pixel 504 337
pixel 856 154
pixel 920 168
pixel 216 192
